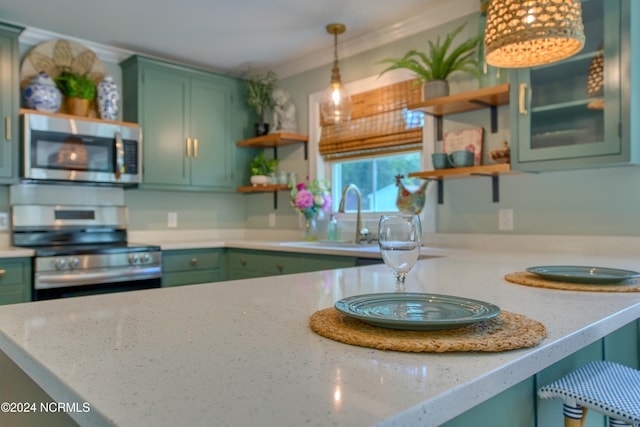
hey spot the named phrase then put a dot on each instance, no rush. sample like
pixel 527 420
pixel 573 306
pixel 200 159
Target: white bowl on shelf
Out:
pixel 259 180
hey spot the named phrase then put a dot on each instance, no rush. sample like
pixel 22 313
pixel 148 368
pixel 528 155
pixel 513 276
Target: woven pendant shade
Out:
pixel 526 33
pixel 595 81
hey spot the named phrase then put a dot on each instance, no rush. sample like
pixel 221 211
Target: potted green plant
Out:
pixel 258 88
pixel 433 68
pixel 260 168
pixel 79 90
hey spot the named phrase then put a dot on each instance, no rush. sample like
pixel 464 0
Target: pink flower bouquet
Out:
pixel 311 197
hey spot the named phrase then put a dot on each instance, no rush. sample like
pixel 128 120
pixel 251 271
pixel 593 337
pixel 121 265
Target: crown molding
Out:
pixel 33 36
pixel 439 12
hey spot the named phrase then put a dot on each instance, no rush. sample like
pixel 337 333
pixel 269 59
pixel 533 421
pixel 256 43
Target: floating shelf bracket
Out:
pixel 306 151
pixel 495 186
pixel 493 111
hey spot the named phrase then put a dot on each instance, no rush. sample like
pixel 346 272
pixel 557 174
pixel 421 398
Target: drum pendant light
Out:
pixel 526 33
pixel 336 104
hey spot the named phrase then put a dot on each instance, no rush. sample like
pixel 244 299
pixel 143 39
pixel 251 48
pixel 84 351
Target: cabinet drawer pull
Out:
pixel 2 273
pixel 188 147
pixel 243 261
pixel 194 261
pixel 280 267
pixel 195 147
pixel 521 100
pixel 7 128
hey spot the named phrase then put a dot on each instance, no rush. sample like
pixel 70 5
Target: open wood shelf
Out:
pixel 497 169
pixel 488 97
pixel 492 171
pixel 493 96
pixel 275 140
pixel 269 188
pixel 262 188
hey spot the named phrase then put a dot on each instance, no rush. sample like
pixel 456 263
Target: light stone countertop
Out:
pixel 241 353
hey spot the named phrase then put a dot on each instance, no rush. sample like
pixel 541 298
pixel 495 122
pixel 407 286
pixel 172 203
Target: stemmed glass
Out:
pixel 399 237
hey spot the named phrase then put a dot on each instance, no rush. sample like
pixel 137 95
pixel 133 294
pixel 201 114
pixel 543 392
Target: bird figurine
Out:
pixel 410 202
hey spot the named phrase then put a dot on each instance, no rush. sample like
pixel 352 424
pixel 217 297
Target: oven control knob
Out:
pixel 133 258
pixel 60 263
pixel 74 263
pixel 145 257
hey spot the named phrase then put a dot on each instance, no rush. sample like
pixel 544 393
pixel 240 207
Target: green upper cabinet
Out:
pixel 9 102
pixel 190 121
pixel 559 124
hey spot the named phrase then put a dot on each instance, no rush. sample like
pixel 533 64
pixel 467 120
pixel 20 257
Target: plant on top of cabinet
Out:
pixel 434 67
pixel 260 168
pixel 258 89
pixel 79 90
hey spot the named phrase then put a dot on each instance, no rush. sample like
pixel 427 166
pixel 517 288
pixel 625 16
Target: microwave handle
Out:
pixel 119 157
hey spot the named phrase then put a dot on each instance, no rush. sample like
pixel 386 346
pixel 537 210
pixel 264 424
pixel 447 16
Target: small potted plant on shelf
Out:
pixel 79 90
pixel 434 67
pixel 260 168
pixel 258 89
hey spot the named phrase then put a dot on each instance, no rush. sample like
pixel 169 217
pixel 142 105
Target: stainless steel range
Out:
pixel 79 235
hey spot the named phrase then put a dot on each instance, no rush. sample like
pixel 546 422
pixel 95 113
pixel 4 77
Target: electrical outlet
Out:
pixel 172 220
pixel 505 219
pixel 272 219
pixel 4 221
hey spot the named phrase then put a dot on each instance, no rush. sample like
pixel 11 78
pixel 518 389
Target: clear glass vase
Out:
pixel 310 230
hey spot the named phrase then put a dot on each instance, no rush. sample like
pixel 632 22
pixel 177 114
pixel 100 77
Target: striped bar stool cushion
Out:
pixel 605 387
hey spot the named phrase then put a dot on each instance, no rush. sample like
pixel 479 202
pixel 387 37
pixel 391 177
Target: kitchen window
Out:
pixel 383 139
pixel 375 177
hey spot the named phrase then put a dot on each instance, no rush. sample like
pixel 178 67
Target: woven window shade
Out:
pixel 380 122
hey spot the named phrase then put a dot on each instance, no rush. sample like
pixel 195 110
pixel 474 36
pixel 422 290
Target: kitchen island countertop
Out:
pixel 242 353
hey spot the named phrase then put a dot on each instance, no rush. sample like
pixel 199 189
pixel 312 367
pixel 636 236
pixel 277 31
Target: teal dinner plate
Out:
pixel 583 274
pixel 416 311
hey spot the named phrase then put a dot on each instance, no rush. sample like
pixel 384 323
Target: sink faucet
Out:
pixel 360 232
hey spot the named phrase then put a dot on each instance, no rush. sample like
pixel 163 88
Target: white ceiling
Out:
pixel 232 35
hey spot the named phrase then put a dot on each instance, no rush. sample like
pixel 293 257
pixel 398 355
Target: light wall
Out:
pixel 599 201
pixel 602 201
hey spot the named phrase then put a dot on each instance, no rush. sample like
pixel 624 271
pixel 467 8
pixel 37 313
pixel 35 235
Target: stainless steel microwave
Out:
pixel 66 148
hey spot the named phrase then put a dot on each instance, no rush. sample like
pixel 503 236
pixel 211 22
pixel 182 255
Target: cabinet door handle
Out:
pixel 188 147
pixel 3 272
pixel 195 147
pixel 194 261
pixel 280 267
pixel 521 99
pixel 243 261
pixel 7 128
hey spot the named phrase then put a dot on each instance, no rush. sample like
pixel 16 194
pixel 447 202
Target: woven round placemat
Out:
pixel 531 279
pixel 508 331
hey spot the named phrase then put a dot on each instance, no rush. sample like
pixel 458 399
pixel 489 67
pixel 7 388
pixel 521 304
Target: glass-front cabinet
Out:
pixel 570 114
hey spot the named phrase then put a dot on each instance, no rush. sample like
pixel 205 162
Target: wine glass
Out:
pixel 399 237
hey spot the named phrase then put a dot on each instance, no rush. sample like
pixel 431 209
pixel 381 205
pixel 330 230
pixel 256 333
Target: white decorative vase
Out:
pixel 108 99
pixel 435 89
pixel 42 94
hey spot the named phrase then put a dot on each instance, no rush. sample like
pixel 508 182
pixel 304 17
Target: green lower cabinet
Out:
pixel 188 267
pixel 245 263
pixel 519 406
pixel 275 263
pixel 328 262
pixel 15 280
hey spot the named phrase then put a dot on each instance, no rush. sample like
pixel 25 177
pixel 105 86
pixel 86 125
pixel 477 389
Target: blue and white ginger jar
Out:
pixel 108 99
pixel 42 94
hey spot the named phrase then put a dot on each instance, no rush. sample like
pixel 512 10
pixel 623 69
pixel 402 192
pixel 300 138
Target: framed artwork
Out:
pixel 467 139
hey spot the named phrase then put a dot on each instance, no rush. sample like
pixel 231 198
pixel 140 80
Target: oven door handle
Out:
pixel 48 281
